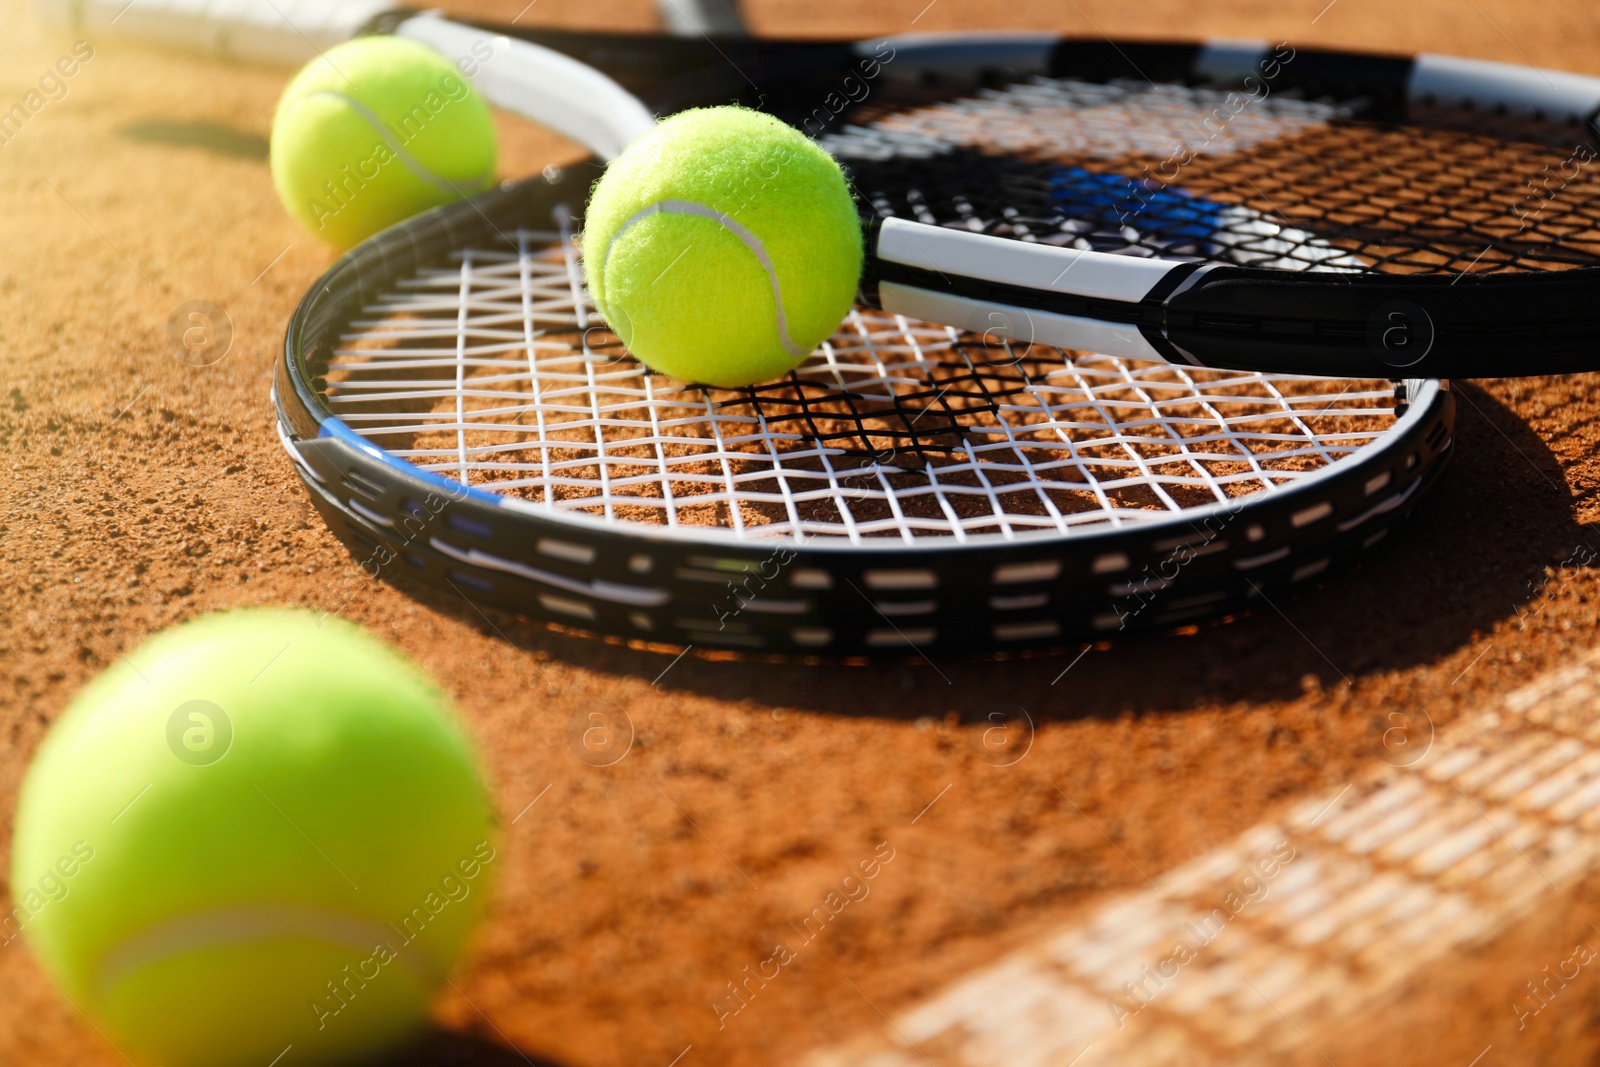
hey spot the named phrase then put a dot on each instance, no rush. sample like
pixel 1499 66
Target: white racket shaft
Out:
pixel 526 79
pixel 540 84
pixel 288 32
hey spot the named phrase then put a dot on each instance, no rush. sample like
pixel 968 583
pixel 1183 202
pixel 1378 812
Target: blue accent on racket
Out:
pixel 1103 209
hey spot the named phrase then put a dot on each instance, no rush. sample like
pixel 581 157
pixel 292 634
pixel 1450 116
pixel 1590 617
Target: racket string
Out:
pixel 492 367
pixel 529 333
pixel 1206 174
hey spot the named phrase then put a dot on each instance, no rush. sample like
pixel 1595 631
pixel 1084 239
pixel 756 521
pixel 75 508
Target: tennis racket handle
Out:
pixel 287 32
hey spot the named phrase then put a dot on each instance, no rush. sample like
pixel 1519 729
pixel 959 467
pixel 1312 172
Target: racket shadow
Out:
pixel 208 136
pixel 448 1048
pixel 1472 559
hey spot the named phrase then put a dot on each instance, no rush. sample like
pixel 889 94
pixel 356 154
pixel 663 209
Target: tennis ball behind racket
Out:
pixel 374 131
pixel 722 246
pixel 252 833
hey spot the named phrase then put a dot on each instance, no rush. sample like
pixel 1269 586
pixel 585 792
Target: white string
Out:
pixel 1064 443
pixel 461 366
pixel 530 333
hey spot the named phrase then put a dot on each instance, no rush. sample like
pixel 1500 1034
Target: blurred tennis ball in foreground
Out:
pixel 722 246
pixel 254 832
pixel 374 131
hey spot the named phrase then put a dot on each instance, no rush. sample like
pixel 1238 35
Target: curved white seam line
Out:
pixel 751 241
pixel 381 128
pixel 231 926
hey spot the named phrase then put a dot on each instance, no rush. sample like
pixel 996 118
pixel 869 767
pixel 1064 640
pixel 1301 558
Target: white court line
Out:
pixel 1412 867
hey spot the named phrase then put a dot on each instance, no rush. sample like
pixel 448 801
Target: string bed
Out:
pixel 493 370
pixel 1271 180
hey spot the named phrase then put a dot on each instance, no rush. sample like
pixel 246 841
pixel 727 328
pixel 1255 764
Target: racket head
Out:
pixel 1048 497
pixel 1456 195
pixel 1295 210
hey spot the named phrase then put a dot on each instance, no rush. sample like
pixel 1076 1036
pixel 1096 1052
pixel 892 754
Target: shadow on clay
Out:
pixel 446 1048
pixel 1499 515
pixel 209 136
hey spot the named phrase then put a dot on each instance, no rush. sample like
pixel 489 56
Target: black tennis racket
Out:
pixel 1278 209
pixel 458 412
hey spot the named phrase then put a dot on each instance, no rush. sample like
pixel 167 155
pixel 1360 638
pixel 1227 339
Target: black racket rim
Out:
pixel 704 587
pixel 1253 318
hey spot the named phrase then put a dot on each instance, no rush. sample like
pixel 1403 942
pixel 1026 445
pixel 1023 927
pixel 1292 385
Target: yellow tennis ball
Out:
pixel 722 246
pixel 374 131
pixel 254 832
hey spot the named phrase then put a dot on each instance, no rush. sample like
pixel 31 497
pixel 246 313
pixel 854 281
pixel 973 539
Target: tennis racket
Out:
pixel 459 413
pixel 1432 214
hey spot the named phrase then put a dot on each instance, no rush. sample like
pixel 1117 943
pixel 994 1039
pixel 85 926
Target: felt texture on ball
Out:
pixel 257 830
pixel 722 246
pixel 374 131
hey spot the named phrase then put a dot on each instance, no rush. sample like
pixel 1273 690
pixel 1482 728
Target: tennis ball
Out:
pixel 374 131
pixel 254 832
pixel 722 246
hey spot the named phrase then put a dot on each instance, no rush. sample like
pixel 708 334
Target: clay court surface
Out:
pixel 139 491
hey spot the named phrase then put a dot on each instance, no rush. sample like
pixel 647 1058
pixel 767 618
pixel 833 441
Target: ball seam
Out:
pixel 227 928
pixel 473 183
pixel 750 241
